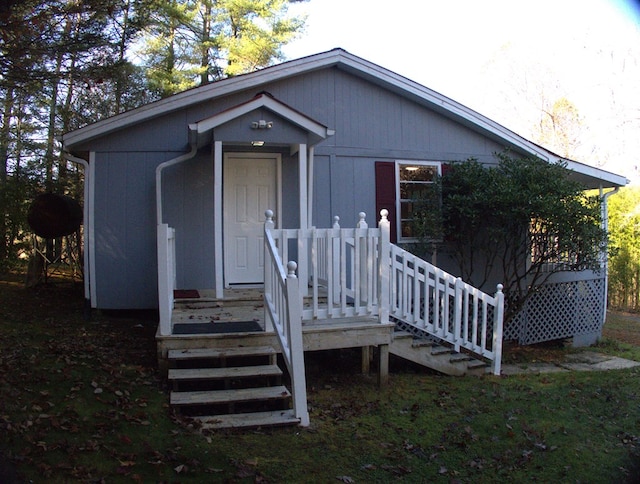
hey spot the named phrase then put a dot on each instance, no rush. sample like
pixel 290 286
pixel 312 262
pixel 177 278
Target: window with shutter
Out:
pixel 399 185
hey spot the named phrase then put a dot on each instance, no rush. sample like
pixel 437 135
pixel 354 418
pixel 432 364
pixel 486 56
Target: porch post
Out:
pixel 310 186
pixel 302 181
pixel 303 249
pixel 217 219
pixel 498 321
pixel 384 266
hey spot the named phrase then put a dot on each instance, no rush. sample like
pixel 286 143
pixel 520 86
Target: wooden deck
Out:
pixel 246 305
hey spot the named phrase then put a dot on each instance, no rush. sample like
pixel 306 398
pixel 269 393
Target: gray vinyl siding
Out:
pixel 188 207
pixel 124 233
pixel 371 124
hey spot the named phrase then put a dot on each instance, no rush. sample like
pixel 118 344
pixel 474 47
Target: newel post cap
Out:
pixel 291 268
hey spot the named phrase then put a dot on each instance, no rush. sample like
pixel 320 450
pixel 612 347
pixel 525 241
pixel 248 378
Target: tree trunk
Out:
pixel 204 45
pixel 7 109
pixel 121 56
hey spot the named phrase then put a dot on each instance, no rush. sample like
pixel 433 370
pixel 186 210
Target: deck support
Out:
pixel 383 365
pixel 366 360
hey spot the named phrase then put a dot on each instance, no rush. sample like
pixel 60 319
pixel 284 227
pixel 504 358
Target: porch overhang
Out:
pixel 202 131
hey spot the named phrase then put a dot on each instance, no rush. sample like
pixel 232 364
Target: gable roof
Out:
pixel 591 177
pixel 202 128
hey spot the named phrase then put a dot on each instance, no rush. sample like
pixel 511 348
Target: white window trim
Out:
pixel 399 163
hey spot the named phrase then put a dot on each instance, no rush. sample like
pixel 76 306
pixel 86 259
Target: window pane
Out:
pixel 418 173
pixel 406 228
pixel 406 209
pixel 416 191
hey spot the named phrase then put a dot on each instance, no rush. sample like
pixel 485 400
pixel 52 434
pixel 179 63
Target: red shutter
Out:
pixel 386 193
pixel 445 168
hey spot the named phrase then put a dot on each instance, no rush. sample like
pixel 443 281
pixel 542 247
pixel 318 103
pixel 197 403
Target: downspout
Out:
pixel 86 272
pixel 166 164
pixel 605 259
pixel 166 249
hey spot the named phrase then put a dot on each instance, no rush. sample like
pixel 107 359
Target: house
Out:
pixel 176 194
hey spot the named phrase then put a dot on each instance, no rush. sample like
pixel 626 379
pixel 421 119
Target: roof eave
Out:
pixel 362 68
pixel 197 95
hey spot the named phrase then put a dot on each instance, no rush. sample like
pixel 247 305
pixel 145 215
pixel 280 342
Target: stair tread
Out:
pixel 477 364
pixel 441 350
pixel 402 334
pixel 424 343
pixel 255 419
pixel 460 357
pixel 220 352
pixel 183 374
pixel 229 396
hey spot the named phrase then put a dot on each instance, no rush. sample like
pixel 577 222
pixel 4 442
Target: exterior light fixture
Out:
pixel 257 143
pixel 262 124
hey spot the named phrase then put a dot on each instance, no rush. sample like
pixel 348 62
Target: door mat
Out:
pixel 217 328
pixel 186 294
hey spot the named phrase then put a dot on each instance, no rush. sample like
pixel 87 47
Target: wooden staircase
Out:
pixel 230 387
pixel 435 355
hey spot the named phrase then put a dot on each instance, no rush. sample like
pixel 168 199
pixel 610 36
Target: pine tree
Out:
pixel 194 42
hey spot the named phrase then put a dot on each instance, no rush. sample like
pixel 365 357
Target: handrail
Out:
pixel 428 298
pixel 283 310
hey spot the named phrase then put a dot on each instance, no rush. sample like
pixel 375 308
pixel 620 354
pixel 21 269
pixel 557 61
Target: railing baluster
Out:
pixel 457 313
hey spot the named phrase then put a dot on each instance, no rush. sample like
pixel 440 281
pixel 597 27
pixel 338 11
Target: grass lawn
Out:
pixel 82 401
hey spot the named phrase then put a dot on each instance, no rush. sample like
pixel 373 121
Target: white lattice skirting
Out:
pixel 561 310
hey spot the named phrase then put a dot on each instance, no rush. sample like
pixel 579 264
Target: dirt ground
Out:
pixel 623 327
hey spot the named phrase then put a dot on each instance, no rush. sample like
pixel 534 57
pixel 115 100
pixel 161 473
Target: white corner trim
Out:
pixel 91 229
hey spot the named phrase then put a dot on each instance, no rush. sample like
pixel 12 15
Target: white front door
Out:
pixel 249 189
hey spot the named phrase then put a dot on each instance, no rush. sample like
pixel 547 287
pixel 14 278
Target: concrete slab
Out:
pixel 616 363
pixel 583 361
pixel 587 357
pixel 577 366
pixel 531 368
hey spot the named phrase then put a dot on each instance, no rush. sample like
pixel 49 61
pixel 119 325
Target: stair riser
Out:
pixel 234 387
pixel 442 359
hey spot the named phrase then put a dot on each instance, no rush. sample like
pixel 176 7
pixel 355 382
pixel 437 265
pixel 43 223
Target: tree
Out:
pixel 517 222
pixel 52 52
pixel 624 260
pixel 561 128
pixel 194 42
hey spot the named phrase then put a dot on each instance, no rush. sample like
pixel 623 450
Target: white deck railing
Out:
pixel 357 272
pixel 283 305
pixel 444 306
pixel 354 272
pixel 166 275
pixel 343 269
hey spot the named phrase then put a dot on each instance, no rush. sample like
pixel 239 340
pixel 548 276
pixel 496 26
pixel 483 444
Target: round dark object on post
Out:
pixel 52 215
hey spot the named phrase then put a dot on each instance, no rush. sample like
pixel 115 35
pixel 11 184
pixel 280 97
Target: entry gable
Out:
pixel 316 131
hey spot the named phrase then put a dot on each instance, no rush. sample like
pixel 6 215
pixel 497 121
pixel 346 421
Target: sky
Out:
pixel 505 59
